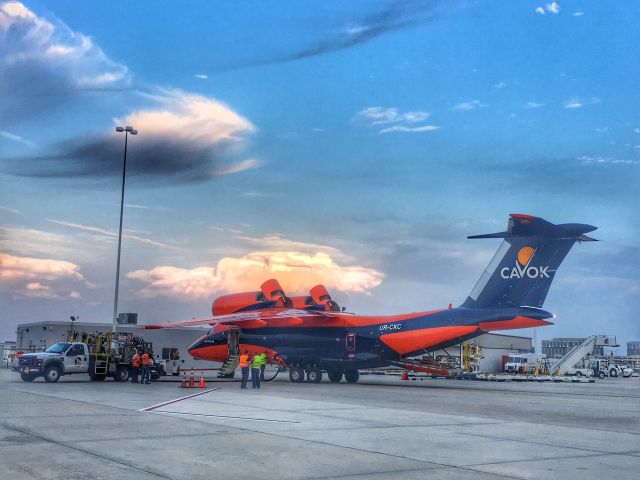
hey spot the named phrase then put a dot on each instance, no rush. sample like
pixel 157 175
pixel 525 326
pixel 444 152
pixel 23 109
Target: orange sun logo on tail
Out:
pixel 525 254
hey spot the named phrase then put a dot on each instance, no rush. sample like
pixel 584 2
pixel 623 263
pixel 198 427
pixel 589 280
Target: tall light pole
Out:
pixel 127 130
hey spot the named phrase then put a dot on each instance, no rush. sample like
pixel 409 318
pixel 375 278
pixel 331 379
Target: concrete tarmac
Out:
pixel 380 428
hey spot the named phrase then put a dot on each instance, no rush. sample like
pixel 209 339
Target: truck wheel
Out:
pixel 334 376
pixel 122 374
pixel 578 374
pixel 97 378
pixel 296 375
pixel 613 372
pixel 52 374
pixel 601 375
pixel 314 375
pixel 155 376
pixel 351 376
pixel 28 377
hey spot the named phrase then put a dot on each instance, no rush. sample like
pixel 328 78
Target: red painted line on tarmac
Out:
pixel 176 400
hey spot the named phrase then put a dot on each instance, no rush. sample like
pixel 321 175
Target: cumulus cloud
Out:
pixel 45 61
pixel 38 277
pixel 470 105
pixel 297 271
pixel 183 138
pixel 393 120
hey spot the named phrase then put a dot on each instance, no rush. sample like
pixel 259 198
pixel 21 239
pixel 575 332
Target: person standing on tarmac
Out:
pixel 135 367
pixel 256 363
pixel 263 363
pixel 244 366
pixel 145 359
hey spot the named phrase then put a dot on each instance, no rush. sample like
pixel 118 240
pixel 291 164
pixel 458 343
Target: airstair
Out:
pixel 233 359
pixel 580 352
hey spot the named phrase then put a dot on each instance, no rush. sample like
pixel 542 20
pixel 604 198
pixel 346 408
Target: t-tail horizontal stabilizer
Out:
pixel 523 268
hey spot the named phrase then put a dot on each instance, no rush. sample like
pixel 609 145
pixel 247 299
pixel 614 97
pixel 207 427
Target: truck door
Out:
pixel 75 359
pixel 351 345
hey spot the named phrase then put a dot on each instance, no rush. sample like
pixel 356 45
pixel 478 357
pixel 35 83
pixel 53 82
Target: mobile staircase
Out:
pixel 233 359
pixel 579 353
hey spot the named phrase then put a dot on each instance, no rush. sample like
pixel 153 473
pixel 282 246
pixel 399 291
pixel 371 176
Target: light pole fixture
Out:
pixel 127 130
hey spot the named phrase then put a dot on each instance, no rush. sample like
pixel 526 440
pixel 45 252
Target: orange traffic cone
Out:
pixel 202 384
pixel 183 383
pixel 192 380
pixel 405 375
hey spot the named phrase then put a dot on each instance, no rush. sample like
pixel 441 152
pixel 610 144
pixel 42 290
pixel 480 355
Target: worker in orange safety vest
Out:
pixel 145 359
pixel 244 366
pixel 135 367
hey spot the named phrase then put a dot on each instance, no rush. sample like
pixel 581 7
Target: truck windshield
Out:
pixel 58 347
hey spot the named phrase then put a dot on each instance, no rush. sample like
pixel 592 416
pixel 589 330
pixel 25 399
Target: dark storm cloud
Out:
pixel 159 160
pixel 398 15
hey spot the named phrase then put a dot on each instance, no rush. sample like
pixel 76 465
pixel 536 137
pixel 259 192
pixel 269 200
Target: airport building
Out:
pixel 633 348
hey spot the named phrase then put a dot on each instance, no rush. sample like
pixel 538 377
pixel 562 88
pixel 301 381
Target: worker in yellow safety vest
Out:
pixel 244 366
pixel 263 364
pixel 256 363
pixel 135 367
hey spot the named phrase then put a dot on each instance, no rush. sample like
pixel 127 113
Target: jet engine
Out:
pixel 318 299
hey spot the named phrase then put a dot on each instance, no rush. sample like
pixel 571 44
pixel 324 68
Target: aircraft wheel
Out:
pixel 296 375
pixel 351 376
pixel 314 375
pixel 334 376
pixel 578 374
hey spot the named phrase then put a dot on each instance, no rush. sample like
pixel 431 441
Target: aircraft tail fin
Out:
pixel 525 264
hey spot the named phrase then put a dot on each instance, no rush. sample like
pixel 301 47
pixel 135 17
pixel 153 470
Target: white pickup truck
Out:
pixel 64 358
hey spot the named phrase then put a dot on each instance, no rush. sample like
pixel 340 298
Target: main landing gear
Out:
pixel 314 375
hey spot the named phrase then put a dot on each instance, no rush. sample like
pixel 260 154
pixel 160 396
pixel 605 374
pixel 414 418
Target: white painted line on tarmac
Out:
pixel 176 400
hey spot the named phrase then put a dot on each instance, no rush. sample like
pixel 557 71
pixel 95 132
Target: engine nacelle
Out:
pixel 238 301
pixel 320 296
pixel 273 292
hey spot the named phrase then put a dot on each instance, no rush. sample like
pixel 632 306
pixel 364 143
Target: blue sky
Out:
pixel 357 145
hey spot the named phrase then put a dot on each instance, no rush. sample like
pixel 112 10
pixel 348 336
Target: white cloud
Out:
pixel 296 271
pixel 578 14
pixel 573 104
pixel 470 105
pixel 533 105
pixel 553 7
pixel 579 103
pixel 393 120
pixel 201 76
pixel 500 85
pixel 108 233
pixel 38 277
pixel 57 57
pixel 399 128
pixel 187 116
pixel 10 210
pixel 540 10
pixel 16 138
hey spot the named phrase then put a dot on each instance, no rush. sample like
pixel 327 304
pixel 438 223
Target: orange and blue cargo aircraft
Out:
pixel 310 335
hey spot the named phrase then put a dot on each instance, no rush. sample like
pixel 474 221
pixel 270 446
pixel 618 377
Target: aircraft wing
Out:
pixel 255 319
